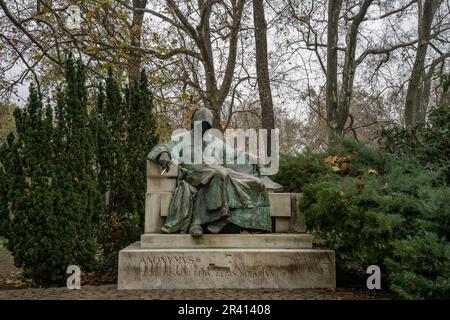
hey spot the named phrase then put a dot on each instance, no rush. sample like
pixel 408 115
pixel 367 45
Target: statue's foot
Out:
pixel 196 230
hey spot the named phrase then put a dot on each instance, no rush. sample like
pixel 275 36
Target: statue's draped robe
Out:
pixel 214 194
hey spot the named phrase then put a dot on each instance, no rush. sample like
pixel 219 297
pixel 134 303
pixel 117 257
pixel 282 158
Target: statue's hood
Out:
pixel 203 115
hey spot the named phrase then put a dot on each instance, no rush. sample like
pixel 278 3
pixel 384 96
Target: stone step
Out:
pixel 216 268
pixel 247 241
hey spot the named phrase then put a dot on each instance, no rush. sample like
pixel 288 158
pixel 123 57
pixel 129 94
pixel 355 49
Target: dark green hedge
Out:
pixel 72 180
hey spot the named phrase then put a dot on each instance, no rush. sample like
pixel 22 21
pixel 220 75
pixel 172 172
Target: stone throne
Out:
pixel 282 259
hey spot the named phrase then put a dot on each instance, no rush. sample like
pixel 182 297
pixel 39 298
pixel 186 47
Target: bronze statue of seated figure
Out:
pixel 212 193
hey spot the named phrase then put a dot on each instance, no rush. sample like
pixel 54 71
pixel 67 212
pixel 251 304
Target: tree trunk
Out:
pixel 425 98
pixel 428 79
pixel 212 98
pixel 262 69
pixel 334 8
pixel 135 57
pixel 215 95
pixel 413 109
pixel 348 72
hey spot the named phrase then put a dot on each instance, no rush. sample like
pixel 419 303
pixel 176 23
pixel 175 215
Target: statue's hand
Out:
pixel 164 160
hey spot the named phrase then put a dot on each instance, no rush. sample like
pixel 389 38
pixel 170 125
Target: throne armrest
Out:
pixel 160 187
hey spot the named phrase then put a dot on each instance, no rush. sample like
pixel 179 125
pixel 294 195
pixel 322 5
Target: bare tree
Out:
pixel 198 36
pixel 414 106
pixel 262 67
pixel 204 50
pixel 346 40
pixel 135 58
pixel 334 9
pixel 38 36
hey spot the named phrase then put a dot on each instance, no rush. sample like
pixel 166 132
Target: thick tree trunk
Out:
pixel 413 106
pixel 348 72
pixel 135 57
pixel 334 8
pixel 262 69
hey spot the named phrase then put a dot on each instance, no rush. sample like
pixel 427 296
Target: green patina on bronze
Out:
pixel 215 194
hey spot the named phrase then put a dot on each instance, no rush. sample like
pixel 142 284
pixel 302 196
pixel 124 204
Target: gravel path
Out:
pixel 111 292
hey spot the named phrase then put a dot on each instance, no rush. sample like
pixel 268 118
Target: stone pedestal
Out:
pixel 229 264
pixel 283 259
pixel 228 241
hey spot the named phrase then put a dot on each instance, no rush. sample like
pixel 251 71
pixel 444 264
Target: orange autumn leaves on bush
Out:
pixel 340 163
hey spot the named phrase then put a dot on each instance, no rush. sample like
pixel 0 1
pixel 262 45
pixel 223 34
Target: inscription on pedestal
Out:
pixel 196 269
pixel 190 266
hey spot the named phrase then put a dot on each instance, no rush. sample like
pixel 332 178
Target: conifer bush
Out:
pixel 125 132
pixel 420 267
pixel 72 181
pixel 295 171
pixel 428 141
pixel 385 209
pixel 53 189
